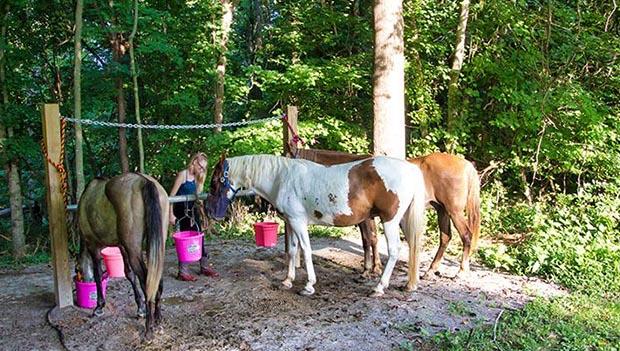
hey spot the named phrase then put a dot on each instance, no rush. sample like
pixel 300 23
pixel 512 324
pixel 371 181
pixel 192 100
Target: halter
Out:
pixel 224 179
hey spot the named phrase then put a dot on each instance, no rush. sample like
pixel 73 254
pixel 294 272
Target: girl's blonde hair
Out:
pixel 200 178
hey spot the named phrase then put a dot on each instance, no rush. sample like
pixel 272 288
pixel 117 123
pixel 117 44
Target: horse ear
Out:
pixel 223 156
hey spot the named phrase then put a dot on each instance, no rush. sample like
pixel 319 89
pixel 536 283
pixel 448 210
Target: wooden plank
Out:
pixel 289 145
pixel 50 118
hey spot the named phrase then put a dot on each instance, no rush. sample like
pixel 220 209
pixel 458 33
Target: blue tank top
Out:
pixel 187 188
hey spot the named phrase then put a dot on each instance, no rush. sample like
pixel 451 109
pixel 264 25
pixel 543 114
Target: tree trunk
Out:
pixel 134 76
pixel 389 79
pixel 122 132
pixel 457 64
pixel 11 169
pixel 227 17
pixel 77 94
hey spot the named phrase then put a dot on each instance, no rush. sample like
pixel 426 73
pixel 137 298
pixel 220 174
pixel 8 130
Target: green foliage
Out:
pixel 572 239
pixel 576 322
pixel 28 260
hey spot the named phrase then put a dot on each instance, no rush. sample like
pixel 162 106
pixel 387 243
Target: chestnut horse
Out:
pixel 123 211
pixel 305 192
pixel 452 187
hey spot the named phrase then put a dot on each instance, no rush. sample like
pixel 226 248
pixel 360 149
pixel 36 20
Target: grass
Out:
pixel 574 322
pixel 8 261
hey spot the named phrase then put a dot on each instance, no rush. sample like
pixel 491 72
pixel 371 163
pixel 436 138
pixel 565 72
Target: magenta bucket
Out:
pixel 266 233
pixel 188 245
pixel 113 260
pixel 86 292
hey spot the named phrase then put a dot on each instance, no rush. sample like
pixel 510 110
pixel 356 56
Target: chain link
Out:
pixel 178 126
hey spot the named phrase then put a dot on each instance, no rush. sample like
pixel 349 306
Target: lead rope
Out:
pixel 296 138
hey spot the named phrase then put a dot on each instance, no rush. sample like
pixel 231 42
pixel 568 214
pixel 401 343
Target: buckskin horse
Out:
pixel 305 192
pixel 452 187
pixel 123 211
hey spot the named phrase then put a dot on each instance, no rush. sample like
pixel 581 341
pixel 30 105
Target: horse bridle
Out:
pixel 224 179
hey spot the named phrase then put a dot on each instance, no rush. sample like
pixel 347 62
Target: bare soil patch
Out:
pixel 246 309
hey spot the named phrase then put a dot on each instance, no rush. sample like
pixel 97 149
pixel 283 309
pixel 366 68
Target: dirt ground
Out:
pixel 245 309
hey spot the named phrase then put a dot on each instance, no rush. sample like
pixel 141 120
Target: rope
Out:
pixel 296 138
pixel 178 126
pixel 60 165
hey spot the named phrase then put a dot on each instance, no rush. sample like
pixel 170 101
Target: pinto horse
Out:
pixel 305 192
pixel 123 211
pixel 452 187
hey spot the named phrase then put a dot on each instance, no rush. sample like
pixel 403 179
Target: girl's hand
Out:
pixel 172 219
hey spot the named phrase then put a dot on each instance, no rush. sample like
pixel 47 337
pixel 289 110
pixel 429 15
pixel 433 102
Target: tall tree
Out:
pixel 11 166
pixel 455 72
pixel 389 79
pixel 119 48
pixel 134 76
pixel 77 96
pixel 228 8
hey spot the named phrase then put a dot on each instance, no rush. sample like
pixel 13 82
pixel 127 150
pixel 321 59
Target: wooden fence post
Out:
pixel 290 147
pixel 50 118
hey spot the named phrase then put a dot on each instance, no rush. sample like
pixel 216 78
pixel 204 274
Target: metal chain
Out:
pixel 60 165
pixel 178 126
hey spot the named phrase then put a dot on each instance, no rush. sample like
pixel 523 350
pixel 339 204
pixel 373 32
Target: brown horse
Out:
pixel 452 186
pixel 123 211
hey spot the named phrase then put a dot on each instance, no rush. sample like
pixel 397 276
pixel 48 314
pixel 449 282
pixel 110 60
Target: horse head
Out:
pixel 221 190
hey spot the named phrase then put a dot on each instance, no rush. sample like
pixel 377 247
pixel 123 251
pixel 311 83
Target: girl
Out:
pixel 191 181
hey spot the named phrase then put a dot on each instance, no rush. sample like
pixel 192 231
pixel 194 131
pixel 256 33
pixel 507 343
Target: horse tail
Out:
pixel 155 245
pixel 473 206
pixel 413 226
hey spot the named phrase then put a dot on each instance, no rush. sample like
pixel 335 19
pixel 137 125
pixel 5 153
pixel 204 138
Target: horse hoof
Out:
pixel 287 284
pixel 306 292
pixel 412 287
pixel 430 275
pixel 141 313
pixel 377 293
pixel 98 312
pixel 148 336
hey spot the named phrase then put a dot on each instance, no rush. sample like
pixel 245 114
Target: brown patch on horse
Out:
pixel 368 196
pixel 318 214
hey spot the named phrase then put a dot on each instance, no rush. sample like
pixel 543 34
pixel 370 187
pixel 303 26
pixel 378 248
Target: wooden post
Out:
pixel 50 118
pixel 290 147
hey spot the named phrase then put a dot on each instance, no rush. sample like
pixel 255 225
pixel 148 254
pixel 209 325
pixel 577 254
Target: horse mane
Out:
pixel 259 166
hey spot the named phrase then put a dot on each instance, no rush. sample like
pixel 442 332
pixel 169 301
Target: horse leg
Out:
pixel 98 273
pixel 132 279
pixel 392 235
pixel 139 268
pixel 461 226
pixel 366 240
pixel 445 235
pixel 292 253
pixel 301 231
pixel 374 242
pixel 158 302
pixel 288 233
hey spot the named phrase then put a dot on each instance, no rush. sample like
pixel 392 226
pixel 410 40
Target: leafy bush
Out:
pixel 572 239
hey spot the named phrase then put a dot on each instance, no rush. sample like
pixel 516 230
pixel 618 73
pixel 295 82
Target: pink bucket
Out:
pixel 113 260
pixel 266 233
pixel 188 245
pixel 86 292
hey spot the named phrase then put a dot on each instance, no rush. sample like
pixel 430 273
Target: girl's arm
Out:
pixel 175 187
